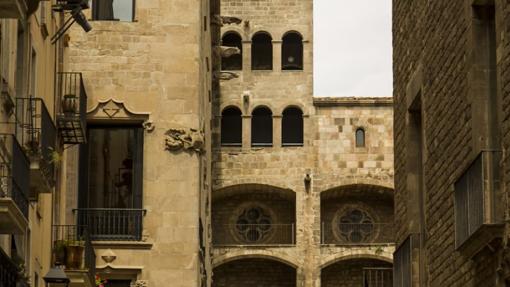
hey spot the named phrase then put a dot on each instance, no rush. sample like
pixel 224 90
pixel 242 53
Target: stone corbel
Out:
pixel 225 20
pixel 184 139
pixel 225 76
pixel 225 51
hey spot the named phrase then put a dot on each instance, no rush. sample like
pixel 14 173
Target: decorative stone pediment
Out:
pixel 116 110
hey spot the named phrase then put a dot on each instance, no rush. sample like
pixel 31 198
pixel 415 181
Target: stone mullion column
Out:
pixel 277 131
pixel 246 132
pixel 277 55
pixel 246 56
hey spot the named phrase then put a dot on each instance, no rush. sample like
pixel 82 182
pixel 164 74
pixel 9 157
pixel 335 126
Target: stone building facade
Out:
pixel 451 92
pixel 178 143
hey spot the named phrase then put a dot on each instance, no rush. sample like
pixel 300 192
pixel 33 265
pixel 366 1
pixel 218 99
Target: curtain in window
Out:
pixel 102 10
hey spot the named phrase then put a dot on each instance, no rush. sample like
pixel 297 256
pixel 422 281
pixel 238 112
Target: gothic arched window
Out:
pixel 231 127
pixel 234 62
pixel 292 127
pixel 262 127
pixel 292 51
pixel 360 137
pixel 356 226
pixel 261 51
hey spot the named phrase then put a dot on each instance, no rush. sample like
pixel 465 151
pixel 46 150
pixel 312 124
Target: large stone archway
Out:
pixel 254 272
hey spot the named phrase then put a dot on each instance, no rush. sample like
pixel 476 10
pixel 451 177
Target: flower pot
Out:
pixel 69 105
pixel 59 253
pixel 74 256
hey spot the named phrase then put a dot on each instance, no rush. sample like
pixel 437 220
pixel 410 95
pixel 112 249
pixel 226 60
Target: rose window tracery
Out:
pixel 253 225
pixel 356 226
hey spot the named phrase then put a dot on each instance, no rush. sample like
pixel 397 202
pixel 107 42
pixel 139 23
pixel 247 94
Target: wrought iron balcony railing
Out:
pixel 112 224
pixel 377 277
pixel 72 249
pixel 14 172
pixel 71 107
pixel 37 134
pixel 10 273
pixel 357 233
pixel 253 234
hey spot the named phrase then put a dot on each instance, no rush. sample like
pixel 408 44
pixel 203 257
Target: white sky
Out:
pixel 352 48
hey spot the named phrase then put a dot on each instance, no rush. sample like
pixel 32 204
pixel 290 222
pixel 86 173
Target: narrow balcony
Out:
pixel 71 107
pixel 14 186
pixel 10 273
pixel 377 276
pixel 17 9
pixel 357 233
pixel 253 234
pixel 73 250
pixel 112 224
pixel 38 137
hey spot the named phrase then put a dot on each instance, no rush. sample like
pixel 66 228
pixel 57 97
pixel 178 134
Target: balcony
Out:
pixel 254 234
pixel 14 186
pixel 377 277
pixel 71 108
pixel 38 136
pixel 73 250
pixel 357 233
pixel 112 224
pixel 10 273
pixel 17 9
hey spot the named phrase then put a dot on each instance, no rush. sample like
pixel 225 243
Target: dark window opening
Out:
pixel 231 127
pixel 292 127
pixel 262 127
pixel 117 283
pixel 110 183
pixel 360 137
pixel 261 52
pixel 234 62
pixel 292 52
pixel 113 10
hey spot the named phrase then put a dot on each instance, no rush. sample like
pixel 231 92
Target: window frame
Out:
pixel 84 156
pixel 253 56
pixel 357 144
pixel 133 14
pixel 300 62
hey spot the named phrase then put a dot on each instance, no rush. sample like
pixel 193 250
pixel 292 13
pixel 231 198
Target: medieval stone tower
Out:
pixel 302 186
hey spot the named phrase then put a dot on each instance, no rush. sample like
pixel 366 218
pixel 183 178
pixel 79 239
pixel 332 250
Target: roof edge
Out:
pixel 352 101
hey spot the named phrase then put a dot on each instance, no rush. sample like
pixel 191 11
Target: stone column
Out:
pixel 246 132
pixel 246 56
pixel 277 55
pixel 277 131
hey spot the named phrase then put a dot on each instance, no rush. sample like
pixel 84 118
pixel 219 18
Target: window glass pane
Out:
pixel 360 138
pixel 119 10
pixel 111 155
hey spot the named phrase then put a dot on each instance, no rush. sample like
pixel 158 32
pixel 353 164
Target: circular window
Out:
pixel 253 225
pixel 356 226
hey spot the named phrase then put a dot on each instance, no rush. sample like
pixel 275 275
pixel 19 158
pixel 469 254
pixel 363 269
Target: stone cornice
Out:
pixel 352 101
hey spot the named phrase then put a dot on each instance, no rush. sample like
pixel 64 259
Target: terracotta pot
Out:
pixel 69 104
pixel 74 256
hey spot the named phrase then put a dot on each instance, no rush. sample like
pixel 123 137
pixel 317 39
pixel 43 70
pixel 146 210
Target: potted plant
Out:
pixel 74 254
pixel 100 282
pixel 69 104
pixel 59 252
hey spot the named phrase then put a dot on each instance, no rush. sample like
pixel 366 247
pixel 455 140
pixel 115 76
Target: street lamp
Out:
pixel 56 277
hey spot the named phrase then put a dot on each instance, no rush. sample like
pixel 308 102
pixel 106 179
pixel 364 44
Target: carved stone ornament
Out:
pixel 226 76
pixel 178 139
pixel 226 51
pixel 225 20
pixel 141 283
pixel 109 256
pixel 116 110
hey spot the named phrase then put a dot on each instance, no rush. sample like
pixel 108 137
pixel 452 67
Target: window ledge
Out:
pixel 482 237
pixel 254 246
pixel 123 244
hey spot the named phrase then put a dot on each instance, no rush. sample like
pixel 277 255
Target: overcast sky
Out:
pixel 352 42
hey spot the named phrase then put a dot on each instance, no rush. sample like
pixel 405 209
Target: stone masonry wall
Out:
pixel 158 65
pixel 434 39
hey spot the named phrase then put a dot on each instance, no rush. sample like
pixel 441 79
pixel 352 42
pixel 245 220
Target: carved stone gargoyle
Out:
pixel 225 76
pixel 225 51
pixel 225 20
pixel 178 139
